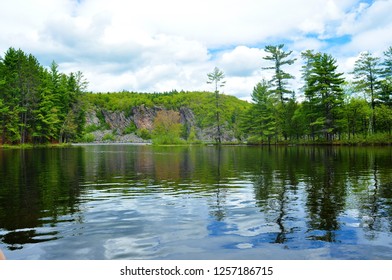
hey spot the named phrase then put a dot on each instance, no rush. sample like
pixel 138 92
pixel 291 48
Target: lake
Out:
pixel 232 202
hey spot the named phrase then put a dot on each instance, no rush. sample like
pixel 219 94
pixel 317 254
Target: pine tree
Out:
pixel 10 94
pixel 367 72
pixel 387 71
pixel 37 105
pixel 386 83
pixel 264 122
pixel 46 128
pixel 279 81
pixel 216 77
pixel 324 94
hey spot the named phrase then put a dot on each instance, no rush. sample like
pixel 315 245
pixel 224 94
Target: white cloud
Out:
pixel 153 45
pixel 243 86
pixel 242 61
pixel 369 26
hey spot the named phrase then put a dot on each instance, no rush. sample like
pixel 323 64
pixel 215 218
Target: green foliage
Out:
pixel 143 133
pixel 216 77
pixel 202 105
pixel 260 124
pixel 131 128
pixel 167 128
pixel 357 114
pixel 383 114
pixel 378 138
pixel 109 137
pixel 92 128
pixel 88 138
pixel 324 94
pixel 37 105
pixel 192 137
pixel 42 105
pixel 332 111
pixel 279 80
pixel 367 73
pixel 167 140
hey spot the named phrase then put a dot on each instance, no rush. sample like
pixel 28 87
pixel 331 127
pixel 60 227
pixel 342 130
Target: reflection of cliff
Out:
pixel 167 166
pixel 144 161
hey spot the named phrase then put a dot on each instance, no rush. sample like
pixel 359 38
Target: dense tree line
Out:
pixel 332 109
pixel 42 105
pixel 38 105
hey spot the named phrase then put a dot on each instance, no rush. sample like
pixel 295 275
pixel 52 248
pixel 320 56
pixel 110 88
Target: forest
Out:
pixel 40 105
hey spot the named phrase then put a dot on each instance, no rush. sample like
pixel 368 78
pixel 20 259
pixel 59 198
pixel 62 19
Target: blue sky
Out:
pixel 155 45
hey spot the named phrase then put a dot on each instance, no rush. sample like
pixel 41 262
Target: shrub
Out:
pixel 167 140
pixel 254 140
pixel 109 137
pixel 131 128
pixel 192 138
pixel 91 128
pixel 88 138
pixel 167 128
pixel 143 133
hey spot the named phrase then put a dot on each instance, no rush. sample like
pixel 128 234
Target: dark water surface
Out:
pixel 144 202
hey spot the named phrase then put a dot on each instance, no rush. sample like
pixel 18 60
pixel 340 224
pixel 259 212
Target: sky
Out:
pixel 164 45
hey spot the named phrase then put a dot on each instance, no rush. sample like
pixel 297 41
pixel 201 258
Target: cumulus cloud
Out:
pixel 242 61
pixel 369 25
pixel 153 45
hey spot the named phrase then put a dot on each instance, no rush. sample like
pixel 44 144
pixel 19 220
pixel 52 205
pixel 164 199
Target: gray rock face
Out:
pixel 91 118
pixel 143 117
pixel 117 121
pixel 127 138
pixel 187 117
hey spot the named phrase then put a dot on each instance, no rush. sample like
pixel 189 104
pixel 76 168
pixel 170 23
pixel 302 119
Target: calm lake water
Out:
pixel 144 202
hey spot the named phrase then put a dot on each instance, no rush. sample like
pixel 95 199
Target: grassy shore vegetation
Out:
pixel 40 105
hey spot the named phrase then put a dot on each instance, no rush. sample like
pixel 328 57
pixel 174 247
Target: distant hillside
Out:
pixel 130 117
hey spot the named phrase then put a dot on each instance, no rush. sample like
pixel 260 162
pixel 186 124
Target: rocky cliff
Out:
pixel 124 126
pixel 135 125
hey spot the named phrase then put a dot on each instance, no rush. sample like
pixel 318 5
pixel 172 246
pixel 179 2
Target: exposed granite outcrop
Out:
pixel 142 117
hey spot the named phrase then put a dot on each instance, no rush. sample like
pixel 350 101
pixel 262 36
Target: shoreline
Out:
pixel 81 144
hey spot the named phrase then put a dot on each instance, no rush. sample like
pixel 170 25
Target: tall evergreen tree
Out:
pixel 264 121
pixel 47 124
pixel 279 85
pixel 308 57
pixel 10 94
pixel 216 77
pixel 29 95
pixel 367 72
pixel 279 81
pixel 387 71
pixel 324 93
pixel 35 104
pixel 386 82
